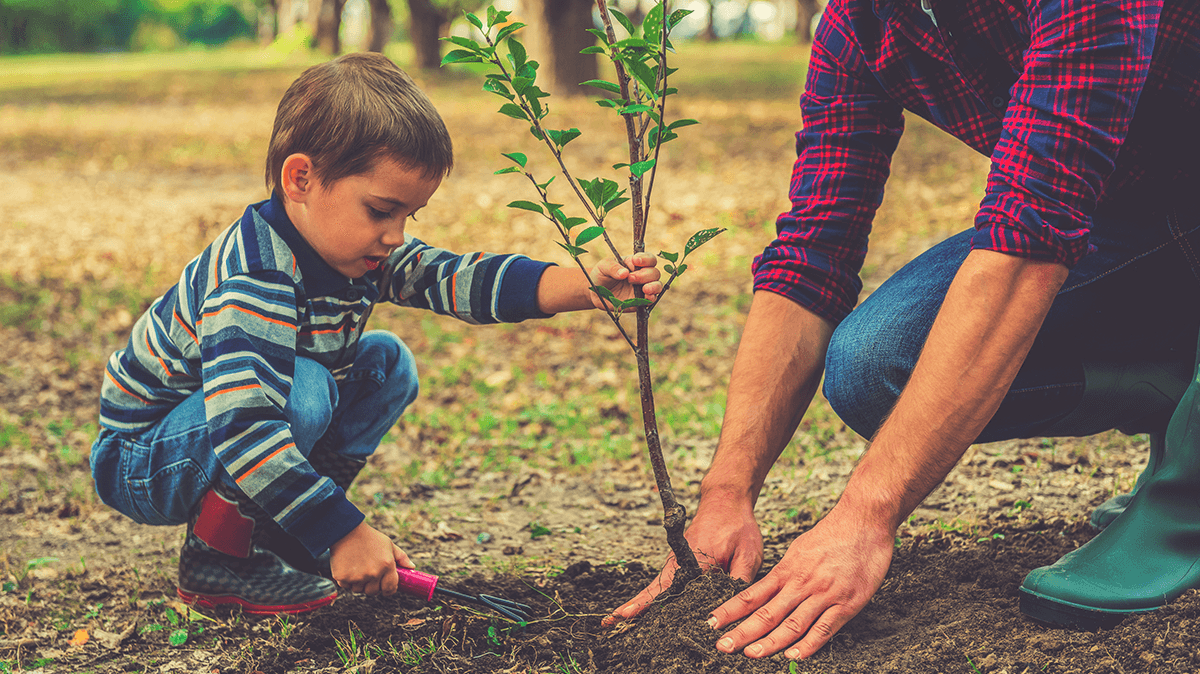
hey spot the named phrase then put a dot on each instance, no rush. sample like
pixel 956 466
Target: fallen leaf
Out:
pixel 80 638
pixel 414 622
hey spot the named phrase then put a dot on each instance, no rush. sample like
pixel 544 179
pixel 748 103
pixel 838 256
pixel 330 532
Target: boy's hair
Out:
pixel 349 113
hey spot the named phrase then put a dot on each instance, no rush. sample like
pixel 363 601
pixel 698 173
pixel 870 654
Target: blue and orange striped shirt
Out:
pixel 1078 103
pixel 252 302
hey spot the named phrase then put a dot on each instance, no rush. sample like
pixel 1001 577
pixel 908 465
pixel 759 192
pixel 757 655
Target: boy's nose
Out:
pixel 393 236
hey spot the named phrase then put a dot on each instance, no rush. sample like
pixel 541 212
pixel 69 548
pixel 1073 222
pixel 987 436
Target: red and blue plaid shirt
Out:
pixel 1079 103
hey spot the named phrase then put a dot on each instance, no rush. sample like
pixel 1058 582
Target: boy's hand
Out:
pixel 365 560
pixel 622 283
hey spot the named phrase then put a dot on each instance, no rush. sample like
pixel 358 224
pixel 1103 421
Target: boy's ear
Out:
pixel 297 180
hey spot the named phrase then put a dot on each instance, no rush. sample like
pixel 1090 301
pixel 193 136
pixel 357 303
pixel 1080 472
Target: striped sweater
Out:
pixel 243 310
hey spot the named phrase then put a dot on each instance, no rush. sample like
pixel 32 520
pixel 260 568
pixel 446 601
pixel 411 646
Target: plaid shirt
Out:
pixel 1078 103
pixel 252 302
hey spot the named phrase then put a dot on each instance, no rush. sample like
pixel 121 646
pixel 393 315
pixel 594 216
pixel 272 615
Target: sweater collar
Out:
pixel 318 277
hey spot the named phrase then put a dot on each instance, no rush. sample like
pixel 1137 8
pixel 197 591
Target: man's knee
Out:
pixel 865 370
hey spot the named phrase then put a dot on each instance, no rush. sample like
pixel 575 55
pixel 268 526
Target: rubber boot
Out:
pixel 1144 558
pixel 221 565
pixel 1108 511
pixel 1133 398
pixel 342 470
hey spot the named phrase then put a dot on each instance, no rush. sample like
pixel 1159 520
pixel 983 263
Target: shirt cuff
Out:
pixel 518 291
pixel 326 523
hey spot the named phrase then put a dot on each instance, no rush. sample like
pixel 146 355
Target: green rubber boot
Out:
pixel 1133 398
pixel 1146 557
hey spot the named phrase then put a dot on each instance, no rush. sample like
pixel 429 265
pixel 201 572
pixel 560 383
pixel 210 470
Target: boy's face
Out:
pixel 356 222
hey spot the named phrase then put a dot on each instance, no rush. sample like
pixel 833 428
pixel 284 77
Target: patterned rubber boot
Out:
pixel 221 565
pixel 1144 558
pixel 342 470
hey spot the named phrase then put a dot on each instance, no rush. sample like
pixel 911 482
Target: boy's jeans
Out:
pixel 1136 298
pixel 157 477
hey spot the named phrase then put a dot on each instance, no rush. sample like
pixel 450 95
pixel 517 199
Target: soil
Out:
pixel 109 194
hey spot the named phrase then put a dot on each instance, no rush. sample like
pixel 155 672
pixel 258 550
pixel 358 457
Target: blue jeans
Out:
pixel 159 475
pixel 1136 298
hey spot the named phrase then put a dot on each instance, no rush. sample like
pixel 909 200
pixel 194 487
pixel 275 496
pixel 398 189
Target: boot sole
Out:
pixel 1058 613
pixel 213 601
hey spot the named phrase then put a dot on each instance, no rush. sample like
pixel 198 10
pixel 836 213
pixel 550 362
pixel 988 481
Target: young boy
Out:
pixel 248 397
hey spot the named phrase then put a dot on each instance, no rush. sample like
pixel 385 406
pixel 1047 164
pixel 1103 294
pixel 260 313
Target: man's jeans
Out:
pixel 1136 298
pixel 157 477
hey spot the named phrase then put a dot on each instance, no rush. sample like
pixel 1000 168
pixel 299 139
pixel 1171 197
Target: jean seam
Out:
pixel 1184 244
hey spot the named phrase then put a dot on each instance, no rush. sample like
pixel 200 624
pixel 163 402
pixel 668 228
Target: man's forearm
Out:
pixel 779 363
pixel 982 334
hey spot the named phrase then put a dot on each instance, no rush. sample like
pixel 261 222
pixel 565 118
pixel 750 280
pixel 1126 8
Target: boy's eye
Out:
pixel 378 214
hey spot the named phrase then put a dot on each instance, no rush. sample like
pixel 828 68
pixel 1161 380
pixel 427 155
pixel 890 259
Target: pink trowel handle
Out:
pixel 417 583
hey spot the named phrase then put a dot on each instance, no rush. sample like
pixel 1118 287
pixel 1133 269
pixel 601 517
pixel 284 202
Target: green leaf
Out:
pixel 172 616
pixel 527 206
pixel 518 158
pixel 672 257
pixel 645 77
pixel 179 637
pixel 680 123
pixel 510 169
pixel 475 21
pixel 508 30
pixel 602 84
pixel 561 138
pixel 461 56
pixel 588 235
pixel 634 109
pixel 600 34
pixel 613 203
pixel 652 25
pixel 669 268
pixel 619 166
pixel 607 103
pixel 497 87
pixel 641 167
pixel 462 42
pixel 606 295
pixel 573 222
pixel 520 84
pixel 546 184
pixel 513 110
pixel 594 49
pixel 677 16
pixel 537 531
pixel 636 302
pixel 556 212
pixel 682 268
pixel 573 251
pixel 631 43
pixel 622 19
pixel 516 53
pixel 700 238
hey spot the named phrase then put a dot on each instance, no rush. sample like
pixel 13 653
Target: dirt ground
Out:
pixel 111 186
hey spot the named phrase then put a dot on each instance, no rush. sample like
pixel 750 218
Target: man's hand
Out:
pixel 723 533
pixel 622 282
pixel 827 576
pixel 365 560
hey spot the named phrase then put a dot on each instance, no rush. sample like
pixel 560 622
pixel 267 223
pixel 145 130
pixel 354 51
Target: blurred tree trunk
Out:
pixel 427 22
pixel 381 25
pixel 709 34
pixel 556 32
pixel 325 17
pixel 806 11
pixel 268 20
pixel 285 16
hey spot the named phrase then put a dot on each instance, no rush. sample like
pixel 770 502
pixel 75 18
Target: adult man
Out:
pixel 1076 294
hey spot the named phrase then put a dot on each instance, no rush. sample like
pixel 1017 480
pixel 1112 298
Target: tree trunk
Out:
pixel 325 17
pixel 380 32
pixel 556 33
pixel 806 10
pixel 425 27
pixel 268 21
pixel 709 34
pixel 285 16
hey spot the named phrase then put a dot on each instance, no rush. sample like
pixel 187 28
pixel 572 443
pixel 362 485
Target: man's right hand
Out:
pixel 723 533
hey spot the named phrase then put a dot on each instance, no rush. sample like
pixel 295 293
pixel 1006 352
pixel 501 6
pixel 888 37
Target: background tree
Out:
pixel 325 19
pixel 381 27
pixel 555 34
pixel 806 11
